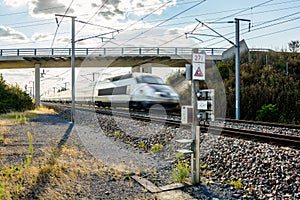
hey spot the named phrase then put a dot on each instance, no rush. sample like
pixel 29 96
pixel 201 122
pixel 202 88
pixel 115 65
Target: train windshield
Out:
pixel 150 80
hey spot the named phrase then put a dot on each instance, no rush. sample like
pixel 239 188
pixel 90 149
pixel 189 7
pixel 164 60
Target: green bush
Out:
pixel 268 113
pixel 12 98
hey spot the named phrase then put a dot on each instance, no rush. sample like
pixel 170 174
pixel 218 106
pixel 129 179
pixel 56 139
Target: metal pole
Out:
pixel 73 70
pixel 37 85
pixel 237 66
pixel 66 85
pixel 195 160
pixel 32 88
pixel 72 64
pixel 195 136
pixel 237 69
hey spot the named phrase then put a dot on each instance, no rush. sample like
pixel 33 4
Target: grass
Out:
pixel 12 177
pixel 119 135
pixel 31 114
pixel 56 174
pixel 156 147
pixel 180 172
pixel 42 110
pixel 236 184
pixel 142 145
pixel 49 172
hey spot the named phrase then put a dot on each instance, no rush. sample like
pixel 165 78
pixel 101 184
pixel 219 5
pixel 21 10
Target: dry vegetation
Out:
pixel 58 172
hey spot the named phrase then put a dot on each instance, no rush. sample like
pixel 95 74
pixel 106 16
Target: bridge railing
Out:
pixel 109 51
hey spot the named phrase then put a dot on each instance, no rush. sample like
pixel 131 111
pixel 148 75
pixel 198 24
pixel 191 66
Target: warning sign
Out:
pixel 198 71
pixel 198 62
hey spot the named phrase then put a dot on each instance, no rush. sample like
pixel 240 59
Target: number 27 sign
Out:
pixel 198 58
pixel 198 66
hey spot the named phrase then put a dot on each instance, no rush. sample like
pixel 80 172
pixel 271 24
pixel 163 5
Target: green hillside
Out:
pixel 270 83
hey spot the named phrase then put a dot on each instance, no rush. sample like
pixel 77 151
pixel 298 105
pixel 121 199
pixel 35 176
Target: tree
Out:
pixel 294 45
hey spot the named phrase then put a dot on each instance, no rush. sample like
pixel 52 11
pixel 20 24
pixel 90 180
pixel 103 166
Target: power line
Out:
pixel 188 22
pixel 142 18
pixel 33 23
pixel 256 26
pixel 277 19
pixel 25 12
pixel 258 5
pixel 95 25
pixel 103 4
pixel 275 32
pixel 58 23
pixel 197 4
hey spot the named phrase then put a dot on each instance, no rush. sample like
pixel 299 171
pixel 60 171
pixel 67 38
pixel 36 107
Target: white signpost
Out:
pixel 198 63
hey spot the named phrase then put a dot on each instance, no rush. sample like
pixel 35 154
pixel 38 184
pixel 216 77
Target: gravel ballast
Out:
pixel 231 168
pixel 234 168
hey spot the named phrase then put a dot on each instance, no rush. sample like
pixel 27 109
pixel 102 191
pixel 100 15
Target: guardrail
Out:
pixel 110 51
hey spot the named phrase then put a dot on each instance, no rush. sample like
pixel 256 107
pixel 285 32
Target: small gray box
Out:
pixel 186 114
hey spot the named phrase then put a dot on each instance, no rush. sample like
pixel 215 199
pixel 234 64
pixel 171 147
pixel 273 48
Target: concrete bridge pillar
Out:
pixel 37 84
pixel 145 68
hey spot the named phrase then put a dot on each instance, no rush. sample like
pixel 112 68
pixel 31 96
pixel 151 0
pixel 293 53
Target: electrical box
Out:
pixel 188 72
pixel 186 114
pixel 205 105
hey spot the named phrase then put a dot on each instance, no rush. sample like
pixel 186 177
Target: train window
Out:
pixel 112 91
pixel 150 79
pixel 117 78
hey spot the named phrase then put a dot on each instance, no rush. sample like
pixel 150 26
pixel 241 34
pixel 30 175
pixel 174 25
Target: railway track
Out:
pixel 260 136
pixel 243 133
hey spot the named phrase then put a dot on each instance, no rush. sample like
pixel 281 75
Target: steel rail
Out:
pixel 273 138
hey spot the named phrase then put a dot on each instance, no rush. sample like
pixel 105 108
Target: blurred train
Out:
pixel 134 91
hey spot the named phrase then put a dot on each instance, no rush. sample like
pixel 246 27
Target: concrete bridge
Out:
pixel 104 57
pixel 140 59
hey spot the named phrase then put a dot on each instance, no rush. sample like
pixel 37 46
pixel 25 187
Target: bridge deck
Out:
pixel 100 57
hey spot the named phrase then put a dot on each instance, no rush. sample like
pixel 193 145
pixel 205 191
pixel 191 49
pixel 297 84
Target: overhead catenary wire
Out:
pixel 168 19
pixel 58 23
pixel 222 11
pixel 103 4
pixel 257 27
pixel 239 10
pixel 244 10
pixel 291 1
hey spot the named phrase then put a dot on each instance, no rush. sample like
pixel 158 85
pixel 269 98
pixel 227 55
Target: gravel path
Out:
pixel 51 132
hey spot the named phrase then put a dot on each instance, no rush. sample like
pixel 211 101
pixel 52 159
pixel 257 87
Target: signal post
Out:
pixel 201 110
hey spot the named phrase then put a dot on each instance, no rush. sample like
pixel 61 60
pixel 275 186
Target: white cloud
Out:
pixel 41 37
pixel 16 3
pixel 10 34
pixel 47 9
pixel 118 14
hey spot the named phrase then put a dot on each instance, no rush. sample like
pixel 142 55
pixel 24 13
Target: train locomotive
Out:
pixel 134 91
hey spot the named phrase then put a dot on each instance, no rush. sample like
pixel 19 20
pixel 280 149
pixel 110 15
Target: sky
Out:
pixel 139 23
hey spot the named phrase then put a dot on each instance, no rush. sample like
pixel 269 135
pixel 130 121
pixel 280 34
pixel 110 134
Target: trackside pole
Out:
pixel 72 63
pixel 195 136
pixel 37 85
